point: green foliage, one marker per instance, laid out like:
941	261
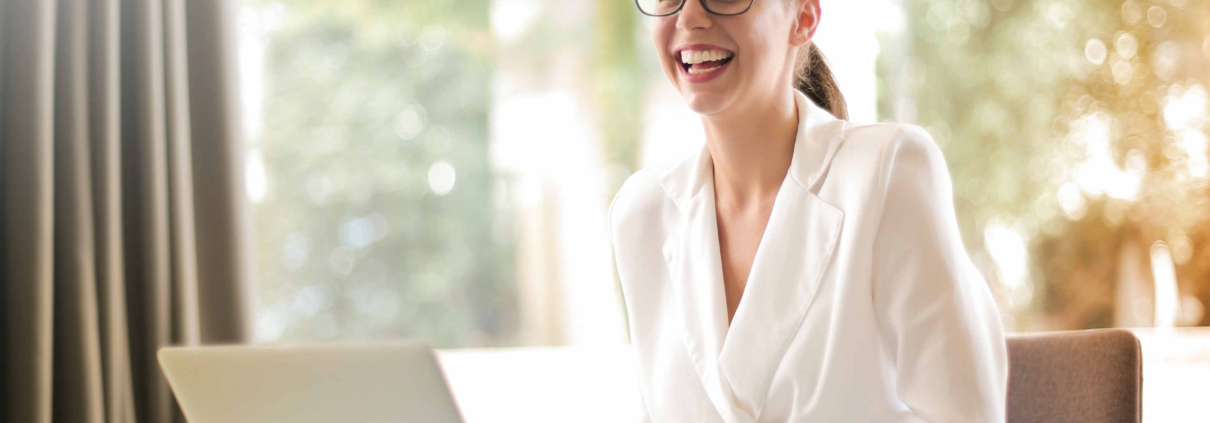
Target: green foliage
618	77
361	99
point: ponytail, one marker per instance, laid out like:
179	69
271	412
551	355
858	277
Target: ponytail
813	78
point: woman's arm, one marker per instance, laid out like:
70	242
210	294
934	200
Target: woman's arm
644	416
937	320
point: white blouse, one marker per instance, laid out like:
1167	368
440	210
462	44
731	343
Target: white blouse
861	306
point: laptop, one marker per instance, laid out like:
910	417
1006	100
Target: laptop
381	382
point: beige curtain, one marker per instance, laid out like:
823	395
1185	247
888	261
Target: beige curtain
122	222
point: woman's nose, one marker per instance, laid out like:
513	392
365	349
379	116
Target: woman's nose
693	16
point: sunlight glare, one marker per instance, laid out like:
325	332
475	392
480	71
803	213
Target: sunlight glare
1007	247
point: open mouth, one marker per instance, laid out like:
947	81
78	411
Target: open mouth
697	62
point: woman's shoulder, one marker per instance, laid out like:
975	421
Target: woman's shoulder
879	150
881	141
906	184
641	189
641	196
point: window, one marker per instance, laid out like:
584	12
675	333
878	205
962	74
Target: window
441	169
377	212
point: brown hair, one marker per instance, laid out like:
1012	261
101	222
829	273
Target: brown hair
813	78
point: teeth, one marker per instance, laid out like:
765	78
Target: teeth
695	71
694	57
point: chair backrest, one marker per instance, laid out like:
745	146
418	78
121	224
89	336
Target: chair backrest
1075	377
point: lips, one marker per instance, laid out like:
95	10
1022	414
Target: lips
702	62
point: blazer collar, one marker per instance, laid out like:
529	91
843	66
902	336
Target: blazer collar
817	140
736	364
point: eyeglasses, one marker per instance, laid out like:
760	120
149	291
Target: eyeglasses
659	8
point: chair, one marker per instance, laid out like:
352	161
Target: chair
1074	377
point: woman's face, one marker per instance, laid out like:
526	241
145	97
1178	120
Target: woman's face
717	61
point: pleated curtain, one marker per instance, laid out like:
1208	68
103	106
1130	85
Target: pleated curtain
123	226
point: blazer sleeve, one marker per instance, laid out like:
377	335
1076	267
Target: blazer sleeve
644	415
937	320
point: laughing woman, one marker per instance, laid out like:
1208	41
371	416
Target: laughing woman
797	268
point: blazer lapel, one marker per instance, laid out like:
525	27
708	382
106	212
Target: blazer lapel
736	365
695	268
794	251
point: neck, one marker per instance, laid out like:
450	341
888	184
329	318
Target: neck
752	151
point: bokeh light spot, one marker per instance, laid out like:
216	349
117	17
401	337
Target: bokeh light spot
441	177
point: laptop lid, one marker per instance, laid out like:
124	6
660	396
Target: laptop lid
386	382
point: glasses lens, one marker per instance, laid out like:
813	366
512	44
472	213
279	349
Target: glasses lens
728	7
658	7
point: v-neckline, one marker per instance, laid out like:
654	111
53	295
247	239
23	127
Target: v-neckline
799	241
760	246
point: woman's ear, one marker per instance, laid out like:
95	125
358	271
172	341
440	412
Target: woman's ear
806	19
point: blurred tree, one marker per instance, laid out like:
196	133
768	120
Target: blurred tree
1078	123
378	219
619	84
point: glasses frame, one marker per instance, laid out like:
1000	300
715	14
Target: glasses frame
682	6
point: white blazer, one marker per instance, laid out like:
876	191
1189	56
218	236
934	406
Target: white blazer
862	304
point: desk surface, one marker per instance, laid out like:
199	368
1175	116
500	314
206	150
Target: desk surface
558	384
597	383
1176	374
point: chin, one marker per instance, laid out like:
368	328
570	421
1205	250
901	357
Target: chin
706	98
706	103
